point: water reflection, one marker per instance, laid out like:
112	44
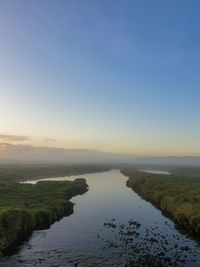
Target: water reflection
155	172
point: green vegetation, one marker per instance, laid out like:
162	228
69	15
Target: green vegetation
25	207
19	173
190	171
176	195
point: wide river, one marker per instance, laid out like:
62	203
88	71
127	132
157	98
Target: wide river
83	239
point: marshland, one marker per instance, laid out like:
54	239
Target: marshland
111	223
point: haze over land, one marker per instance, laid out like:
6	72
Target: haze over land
24	153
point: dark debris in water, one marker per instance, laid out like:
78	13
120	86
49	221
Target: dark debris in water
125	244
148	247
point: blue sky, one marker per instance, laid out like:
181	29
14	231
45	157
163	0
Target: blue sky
116	76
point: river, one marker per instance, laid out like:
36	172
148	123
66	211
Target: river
86	237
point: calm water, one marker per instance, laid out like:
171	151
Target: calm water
155	172
81	239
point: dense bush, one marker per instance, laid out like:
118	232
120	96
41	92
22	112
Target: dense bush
179	196
24	207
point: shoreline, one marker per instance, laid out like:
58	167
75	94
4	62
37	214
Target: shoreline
184	222
17	223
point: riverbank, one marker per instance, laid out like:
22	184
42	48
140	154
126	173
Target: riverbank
178	196
84	239
26	207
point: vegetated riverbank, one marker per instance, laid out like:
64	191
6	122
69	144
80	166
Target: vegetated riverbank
178	196
20	173
26	207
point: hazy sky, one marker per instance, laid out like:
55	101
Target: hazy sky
115	76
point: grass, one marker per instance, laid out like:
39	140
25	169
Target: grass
25	207
189	171
176	195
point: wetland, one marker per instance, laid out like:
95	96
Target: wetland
111	226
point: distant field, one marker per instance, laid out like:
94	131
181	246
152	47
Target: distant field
178	195
186	171
25	207
191	171
18	173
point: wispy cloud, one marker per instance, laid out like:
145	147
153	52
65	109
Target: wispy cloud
45	150
13	137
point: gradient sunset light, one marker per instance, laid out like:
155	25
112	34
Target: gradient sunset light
105	76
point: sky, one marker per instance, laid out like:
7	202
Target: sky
110	76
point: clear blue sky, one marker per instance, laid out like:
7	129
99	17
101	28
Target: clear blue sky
118	76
